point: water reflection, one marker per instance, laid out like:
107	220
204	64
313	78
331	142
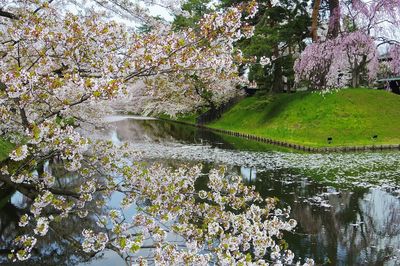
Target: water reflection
248	173
359	227
61	245
342	221
56	248
161	140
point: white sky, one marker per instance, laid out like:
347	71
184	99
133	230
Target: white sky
160	11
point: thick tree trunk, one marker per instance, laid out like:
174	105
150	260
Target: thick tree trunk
355	79
334	19
277	85
314	20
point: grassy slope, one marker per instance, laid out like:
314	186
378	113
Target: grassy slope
350	117
5	149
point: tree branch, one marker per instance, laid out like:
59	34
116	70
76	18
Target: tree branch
7	14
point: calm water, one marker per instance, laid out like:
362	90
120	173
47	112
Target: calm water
347	205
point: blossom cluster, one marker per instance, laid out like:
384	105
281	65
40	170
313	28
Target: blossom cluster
265	61
45	54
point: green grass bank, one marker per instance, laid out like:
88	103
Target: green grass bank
350	116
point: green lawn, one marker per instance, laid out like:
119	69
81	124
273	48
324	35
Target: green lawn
5	148
350	117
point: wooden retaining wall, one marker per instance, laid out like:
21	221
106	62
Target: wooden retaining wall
295	146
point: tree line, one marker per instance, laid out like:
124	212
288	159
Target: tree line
319	44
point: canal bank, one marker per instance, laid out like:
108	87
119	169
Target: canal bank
344	121
382	147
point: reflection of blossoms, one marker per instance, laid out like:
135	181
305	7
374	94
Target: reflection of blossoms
19	153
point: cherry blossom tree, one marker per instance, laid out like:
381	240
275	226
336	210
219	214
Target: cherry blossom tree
61	63
351	59
339	62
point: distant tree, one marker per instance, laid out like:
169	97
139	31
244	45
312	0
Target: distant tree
338	62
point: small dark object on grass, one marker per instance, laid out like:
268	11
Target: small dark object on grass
375	137
330	140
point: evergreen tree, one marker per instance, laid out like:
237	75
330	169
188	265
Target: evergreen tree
195	9
280	30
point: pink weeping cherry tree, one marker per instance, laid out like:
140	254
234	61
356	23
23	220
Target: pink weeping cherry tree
352	58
